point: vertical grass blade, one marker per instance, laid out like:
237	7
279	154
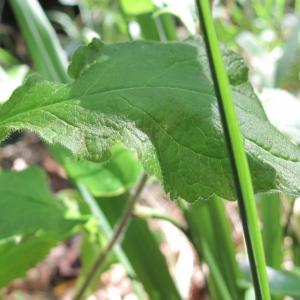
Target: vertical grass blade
270	209
48	57
235	145
142	250
210	230
166	27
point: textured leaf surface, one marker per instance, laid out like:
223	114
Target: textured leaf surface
27	206
158	100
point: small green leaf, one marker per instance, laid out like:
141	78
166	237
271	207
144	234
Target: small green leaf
111	178
17	255
158	100
32	221
27	206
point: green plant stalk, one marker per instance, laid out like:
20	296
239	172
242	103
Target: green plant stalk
208	224
48	57
272	232
166	27
142	250
280	8
148	27
120	228
149	213
235	145
297	6
108	232
225	294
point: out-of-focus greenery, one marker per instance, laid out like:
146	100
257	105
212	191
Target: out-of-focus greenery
267	33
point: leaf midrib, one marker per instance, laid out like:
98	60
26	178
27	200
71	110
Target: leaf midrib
4	120
112	91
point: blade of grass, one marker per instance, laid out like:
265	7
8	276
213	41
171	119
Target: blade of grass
235	145
148	27
297	6
166	27
272	232
142	250
219	279
147	213
48	57
208	224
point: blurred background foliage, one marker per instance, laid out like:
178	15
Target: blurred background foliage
199	256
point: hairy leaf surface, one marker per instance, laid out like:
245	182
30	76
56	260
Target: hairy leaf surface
158	100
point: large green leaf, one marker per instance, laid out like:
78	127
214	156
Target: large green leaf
28	206
158	100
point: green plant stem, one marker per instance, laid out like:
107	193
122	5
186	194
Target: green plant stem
107	230
117	234
166	27
235	145
272	231
47	55
289	219
214	269
208	224
149	213
297	6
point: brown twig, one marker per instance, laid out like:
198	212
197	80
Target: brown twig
120	228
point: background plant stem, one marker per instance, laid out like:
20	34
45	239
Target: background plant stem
117	234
